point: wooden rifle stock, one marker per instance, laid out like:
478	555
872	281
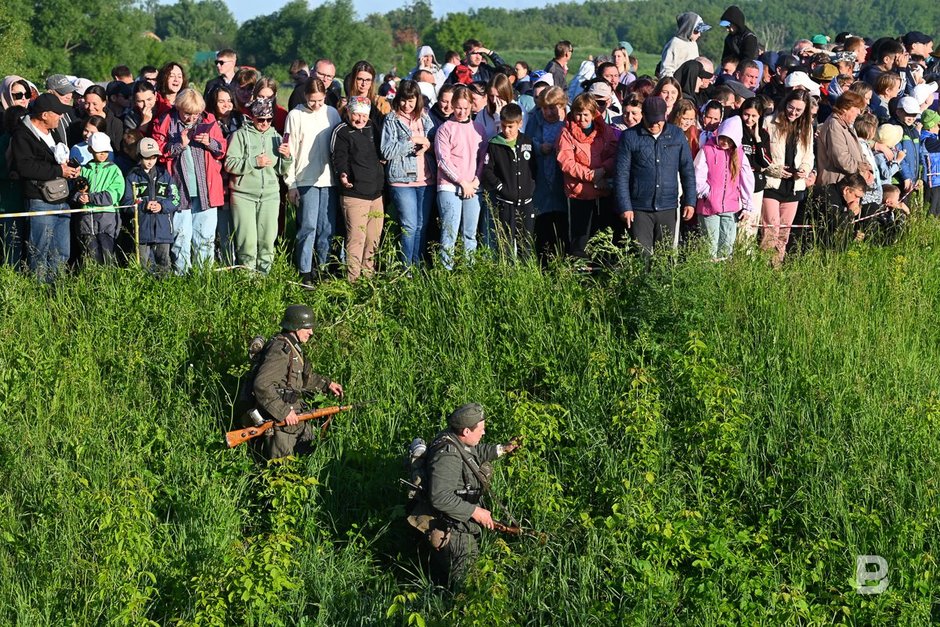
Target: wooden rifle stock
239	436
516	530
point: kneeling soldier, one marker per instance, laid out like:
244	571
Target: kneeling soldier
459	475
283	376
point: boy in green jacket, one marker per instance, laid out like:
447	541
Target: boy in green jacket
102	189
256	157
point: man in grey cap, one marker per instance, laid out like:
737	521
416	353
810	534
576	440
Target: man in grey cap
459	473
62	88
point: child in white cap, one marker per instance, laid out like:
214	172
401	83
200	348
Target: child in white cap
102	190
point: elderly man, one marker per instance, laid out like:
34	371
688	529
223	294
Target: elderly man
63	89
42	164
652	158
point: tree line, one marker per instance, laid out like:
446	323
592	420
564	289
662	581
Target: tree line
88	37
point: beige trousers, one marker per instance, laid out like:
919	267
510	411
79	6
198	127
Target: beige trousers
364	220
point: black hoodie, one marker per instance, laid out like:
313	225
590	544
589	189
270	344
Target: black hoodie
742	43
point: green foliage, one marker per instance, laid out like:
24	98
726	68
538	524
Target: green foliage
208	23
450	33
703	444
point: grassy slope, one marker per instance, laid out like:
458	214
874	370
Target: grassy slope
707	444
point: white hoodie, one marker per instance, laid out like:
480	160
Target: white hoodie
310	133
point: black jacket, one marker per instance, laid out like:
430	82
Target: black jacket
355	152
215	83
742	43
758	155
509	173
32	159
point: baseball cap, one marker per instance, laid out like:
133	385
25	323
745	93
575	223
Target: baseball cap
654	110
81	85
99	142
601	89
916	37
702	27
820	40
627	47
546	78
48	102
60	84
802	80
739	89
117	88
909	105
147	147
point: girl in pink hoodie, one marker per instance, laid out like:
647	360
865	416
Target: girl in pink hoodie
725	183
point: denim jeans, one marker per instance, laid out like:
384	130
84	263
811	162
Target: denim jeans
49	239
194	238
458	216
414	212
316	223
225	238
721	229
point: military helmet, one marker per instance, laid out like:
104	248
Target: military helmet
297	317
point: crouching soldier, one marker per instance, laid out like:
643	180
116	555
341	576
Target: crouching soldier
459	475
282	377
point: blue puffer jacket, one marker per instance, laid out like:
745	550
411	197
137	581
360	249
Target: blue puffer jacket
910	144
649	170
159	185
399	151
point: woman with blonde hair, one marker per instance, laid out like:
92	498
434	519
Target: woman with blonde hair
193	149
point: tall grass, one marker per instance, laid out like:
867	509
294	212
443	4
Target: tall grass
704	444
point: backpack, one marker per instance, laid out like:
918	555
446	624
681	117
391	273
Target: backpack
245	400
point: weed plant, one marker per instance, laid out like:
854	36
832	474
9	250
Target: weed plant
706	444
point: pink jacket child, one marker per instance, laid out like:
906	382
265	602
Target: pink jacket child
725	185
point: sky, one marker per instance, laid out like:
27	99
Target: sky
247	9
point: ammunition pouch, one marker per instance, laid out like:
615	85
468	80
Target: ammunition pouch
470	495
289	396
486	474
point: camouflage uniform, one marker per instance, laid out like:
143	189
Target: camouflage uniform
283	376
448	474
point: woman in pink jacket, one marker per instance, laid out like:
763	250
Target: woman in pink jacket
587	152
725	185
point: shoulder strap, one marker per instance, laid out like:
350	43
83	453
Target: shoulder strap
474	468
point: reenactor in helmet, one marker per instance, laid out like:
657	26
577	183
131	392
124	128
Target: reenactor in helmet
458	479
282	377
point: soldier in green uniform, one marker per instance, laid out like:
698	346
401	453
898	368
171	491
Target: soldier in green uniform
282	378
455	490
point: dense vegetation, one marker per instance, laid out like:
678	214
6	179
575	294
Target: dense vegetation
88	37
704	444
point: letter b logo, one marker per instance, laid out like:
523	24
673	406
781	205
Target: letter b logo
869	581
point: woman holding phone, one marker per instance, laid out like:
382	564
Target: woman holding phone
790	133
193	149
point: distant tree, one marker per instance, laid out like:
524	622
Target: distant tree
456	28
209	23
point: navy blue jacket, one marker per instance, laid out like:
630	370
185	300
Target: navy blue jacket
649	170
158	184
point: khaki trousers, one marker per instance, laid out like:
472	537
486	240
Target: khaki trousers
364	220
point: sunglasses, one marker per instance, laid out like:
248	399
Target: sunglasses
263	120
221	61
20	95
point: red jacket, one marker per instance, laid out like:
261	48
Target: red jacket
579	155
167	131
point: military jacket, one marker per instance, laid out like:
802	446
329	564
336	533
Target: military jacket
448	473
284	374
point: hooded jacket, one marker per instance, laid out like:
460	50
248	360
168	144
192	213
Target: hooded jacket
356	154
158	185
6	89
687	76
435	68
509	171
717	191
105	185
248	181
579	154
680	48
742	43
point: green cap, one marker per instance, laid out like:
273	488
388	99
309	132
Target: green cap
466	416
930	119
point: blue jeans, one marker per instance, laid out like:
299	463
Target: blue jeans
194	236
721	230
49	239
316	223
414	212
224	233
461	216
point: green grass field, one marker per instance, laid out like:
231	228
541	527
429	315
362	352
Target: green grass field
704	444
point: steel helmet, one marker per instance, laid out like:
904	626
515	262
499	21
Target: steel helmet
297	317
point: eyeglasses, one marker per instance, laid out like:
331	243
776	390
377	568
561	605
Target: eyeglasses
363	80
326	77
20	95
